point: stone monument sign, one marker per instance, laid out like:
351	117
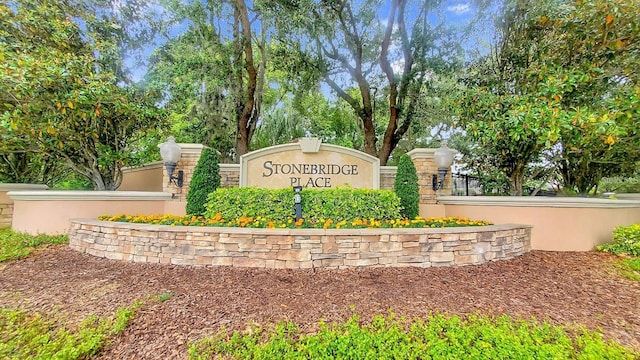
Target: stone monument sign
310	164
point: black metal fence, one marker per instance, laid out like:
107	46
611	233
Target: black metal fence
466	185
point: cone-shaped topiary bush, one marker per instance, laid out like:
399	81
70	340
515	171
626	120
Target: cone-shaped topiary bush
205	180
406	187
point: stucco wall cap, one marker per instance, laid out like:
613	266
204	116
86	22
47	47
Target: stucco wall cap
81	195
537	201
14	186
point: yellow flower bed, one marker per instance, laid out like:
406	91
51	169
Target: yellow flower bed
265	223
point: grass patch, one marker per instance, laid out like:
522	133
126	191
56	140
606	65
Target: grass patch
439	337
15	245
164	296
26	335
629	268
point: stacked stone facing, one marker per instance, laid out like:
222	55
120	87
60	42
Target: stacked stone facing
6	214
299	248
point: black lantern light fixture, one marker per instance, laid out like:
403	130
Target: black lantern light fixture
443	158
297	199
170	153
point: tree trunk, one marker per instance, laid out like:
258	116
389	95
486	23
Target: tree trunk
248	117
516	179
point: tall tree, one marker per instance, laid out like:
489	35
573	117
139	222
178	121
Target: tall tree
212	74
560	79
59	91
344	44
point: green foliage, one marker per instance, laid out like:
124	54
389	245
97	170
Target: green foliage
560	90
338	204
356	50
17	245
73	182
439	337
62	91
620	185
164	296
25	335
406	187
28	167
626	240
205	180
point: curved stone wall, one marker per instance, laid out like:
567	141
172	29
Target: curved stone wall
298	248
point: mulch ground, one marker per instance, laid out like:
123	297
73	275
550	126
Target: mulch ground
562	288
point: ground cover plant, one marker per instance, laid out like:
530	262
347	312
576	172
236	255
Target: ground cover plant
629	268
437	337
626	242
290	223
15	245
32	335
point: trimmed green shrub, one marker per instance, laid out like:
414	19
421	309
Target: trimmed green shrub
626	240
439	337
337	204
406	187
205	180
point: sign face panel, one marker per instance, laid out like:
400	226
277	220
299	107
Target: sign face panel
309	164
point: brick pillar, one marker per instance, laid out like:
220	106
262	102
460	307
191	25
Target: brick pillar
189	156
426	168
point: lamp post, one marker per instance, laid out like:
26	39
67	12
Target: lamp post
170	153
443	158
297	199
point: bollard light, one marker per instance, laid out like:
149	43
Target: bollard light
443	158
297	199
170	153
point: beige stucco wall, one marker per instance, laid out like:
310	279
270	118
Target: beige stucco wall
175	207
144	178
6	202
50	212
559	224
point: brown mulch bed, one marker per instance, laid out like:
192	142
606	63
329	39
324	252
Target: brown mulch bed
562	288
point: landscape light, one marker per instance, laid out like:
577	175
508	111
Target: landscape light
297	199
170	153
443	158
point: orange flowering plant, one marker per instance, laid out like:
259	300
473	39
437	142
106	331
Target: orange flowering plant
265	223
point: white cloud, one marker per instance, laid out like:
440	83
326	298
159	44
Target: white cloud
459	8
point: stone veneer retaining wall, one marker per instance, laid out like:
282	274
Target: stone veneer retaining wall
298	248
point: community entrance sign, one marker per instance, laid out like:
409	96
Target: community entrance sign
310	164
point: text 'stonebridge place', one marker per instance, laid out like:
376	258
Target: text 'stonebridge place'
310	164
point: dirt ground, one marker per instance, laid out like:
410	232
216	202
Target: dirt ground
562	288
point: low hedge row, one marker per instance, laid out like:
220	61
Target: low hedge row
278	205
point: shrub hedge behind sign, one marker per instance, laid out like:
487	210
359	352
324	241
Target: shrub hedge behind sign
277	204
